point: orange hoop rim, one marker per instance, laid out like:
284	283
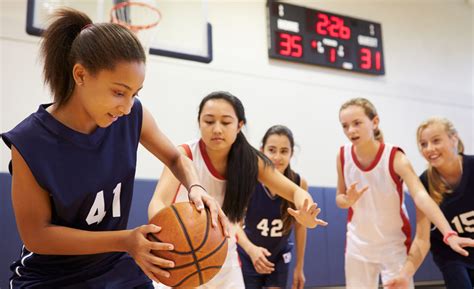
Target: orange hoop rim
132	27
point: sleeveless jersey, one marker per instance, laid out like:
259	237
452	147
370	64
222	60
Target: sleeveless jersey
89	179
458	208
264	224
215	185
210	179
377	224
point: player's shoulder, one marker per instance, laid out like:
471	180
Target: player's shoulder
397	154
189	147
28	131
468	160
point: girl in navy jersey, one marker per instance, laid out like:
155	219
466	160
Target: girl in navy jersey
370	184
73	164
264	247
450	181
230	168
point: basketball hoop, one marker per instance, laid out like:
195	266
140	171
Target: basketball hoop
127	13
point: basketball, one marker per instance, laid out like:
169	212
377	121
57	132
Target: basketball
199	249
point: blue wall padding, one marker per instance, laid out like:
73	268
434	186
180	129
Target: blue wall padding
10	243
324	257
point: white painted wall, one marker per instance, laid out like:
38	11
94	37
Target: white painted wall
471	2
429	62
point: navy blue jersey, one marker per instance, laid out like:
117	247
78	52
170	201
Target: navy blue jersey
458	208
264	224
89	178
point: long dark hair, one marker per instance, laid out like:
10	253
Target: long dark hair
289	173
72	38
242	163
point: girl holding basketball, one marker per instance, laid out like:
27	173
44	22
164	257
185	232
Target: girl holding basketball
230	169
73	164
450	181
264	247
370	184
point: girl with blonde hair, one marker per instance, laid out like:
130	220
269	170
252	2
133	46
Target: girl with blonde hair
449	180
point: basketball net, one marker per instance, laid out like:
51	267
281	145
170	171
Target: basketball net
141	17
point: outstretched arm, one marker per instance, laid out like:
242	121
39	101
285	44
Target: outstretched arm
307	210
426	204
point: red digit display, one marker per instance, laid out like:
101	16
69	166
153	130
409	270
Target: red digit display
332	55
370	59
345	32
322	24
365	58
285	41
290	45
378	63
332	26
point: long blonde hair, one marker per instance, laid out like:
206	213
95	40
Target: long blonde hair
369	110
436	187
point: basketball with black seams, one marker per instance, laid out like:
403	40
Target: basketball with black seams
199	249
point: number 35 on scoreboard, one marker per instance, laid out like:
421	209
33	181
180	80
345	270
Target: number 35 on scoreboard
316	37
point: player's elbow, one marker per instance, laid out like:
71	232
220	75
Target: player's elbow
422	244
35	246
425	246
35	242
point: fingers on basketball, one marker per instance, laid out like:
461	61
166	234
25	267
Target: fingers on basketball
199	248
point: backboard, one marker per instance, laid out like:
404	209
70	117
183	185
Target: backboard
183	32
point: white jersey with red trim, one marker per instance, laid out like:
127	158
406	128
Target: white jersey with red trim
230	276
377	225
212	181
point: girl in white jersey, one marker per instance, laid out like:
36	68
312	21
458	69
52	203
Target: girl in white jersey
229	167
370	184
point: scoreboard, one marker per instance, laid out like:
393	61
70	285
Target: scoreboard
317	37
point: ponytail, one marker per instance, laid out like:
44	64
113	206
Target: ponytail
242	177
72	38
378	135
56	50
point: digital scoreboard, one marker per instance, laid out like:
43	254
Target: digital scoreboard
317	37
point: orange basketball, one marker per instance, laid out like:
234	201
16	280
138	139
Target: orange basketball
199	249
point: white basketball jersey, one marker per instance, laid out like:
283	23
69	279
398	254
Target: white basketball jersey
377	225
230	275
210	179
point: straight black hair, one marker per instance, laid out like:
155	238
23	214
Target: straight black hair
242	163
